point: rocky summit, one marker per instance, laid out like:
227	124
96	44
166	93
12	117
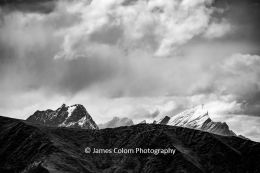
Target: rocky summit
75	116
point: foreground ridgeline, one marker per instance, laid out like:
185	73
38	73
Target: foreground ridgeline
75	116
154	148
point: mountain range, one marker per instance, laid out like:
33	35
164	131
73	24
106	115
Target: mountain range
55	141
76	116
27	147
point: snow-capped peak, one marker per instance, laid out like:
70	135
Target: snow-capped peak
198	118
194	117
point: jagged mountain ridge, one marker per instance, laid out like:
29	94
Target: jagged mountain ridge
197	118
75	116
117	122
30	148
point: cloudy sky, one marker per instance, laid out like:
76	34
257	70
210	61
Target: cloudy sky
137	58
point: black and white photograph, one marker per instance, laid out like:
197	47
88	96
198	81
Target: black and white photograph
129	86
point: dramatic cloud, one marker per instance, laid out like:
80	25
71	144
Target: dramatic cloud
216	30
158	26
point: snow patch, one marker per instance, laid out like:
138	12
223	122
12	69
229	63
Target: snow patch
70	110
82	121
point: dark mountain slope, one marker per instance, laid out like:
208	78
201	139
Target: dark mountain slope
28	147
21	145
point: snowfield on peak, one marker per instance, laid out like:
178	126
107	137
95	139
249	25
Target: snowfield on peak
193	118
71	109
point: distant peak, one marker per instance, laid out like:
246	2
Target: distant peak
122	119
115	118
164	120
117	122
63	105
143	122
